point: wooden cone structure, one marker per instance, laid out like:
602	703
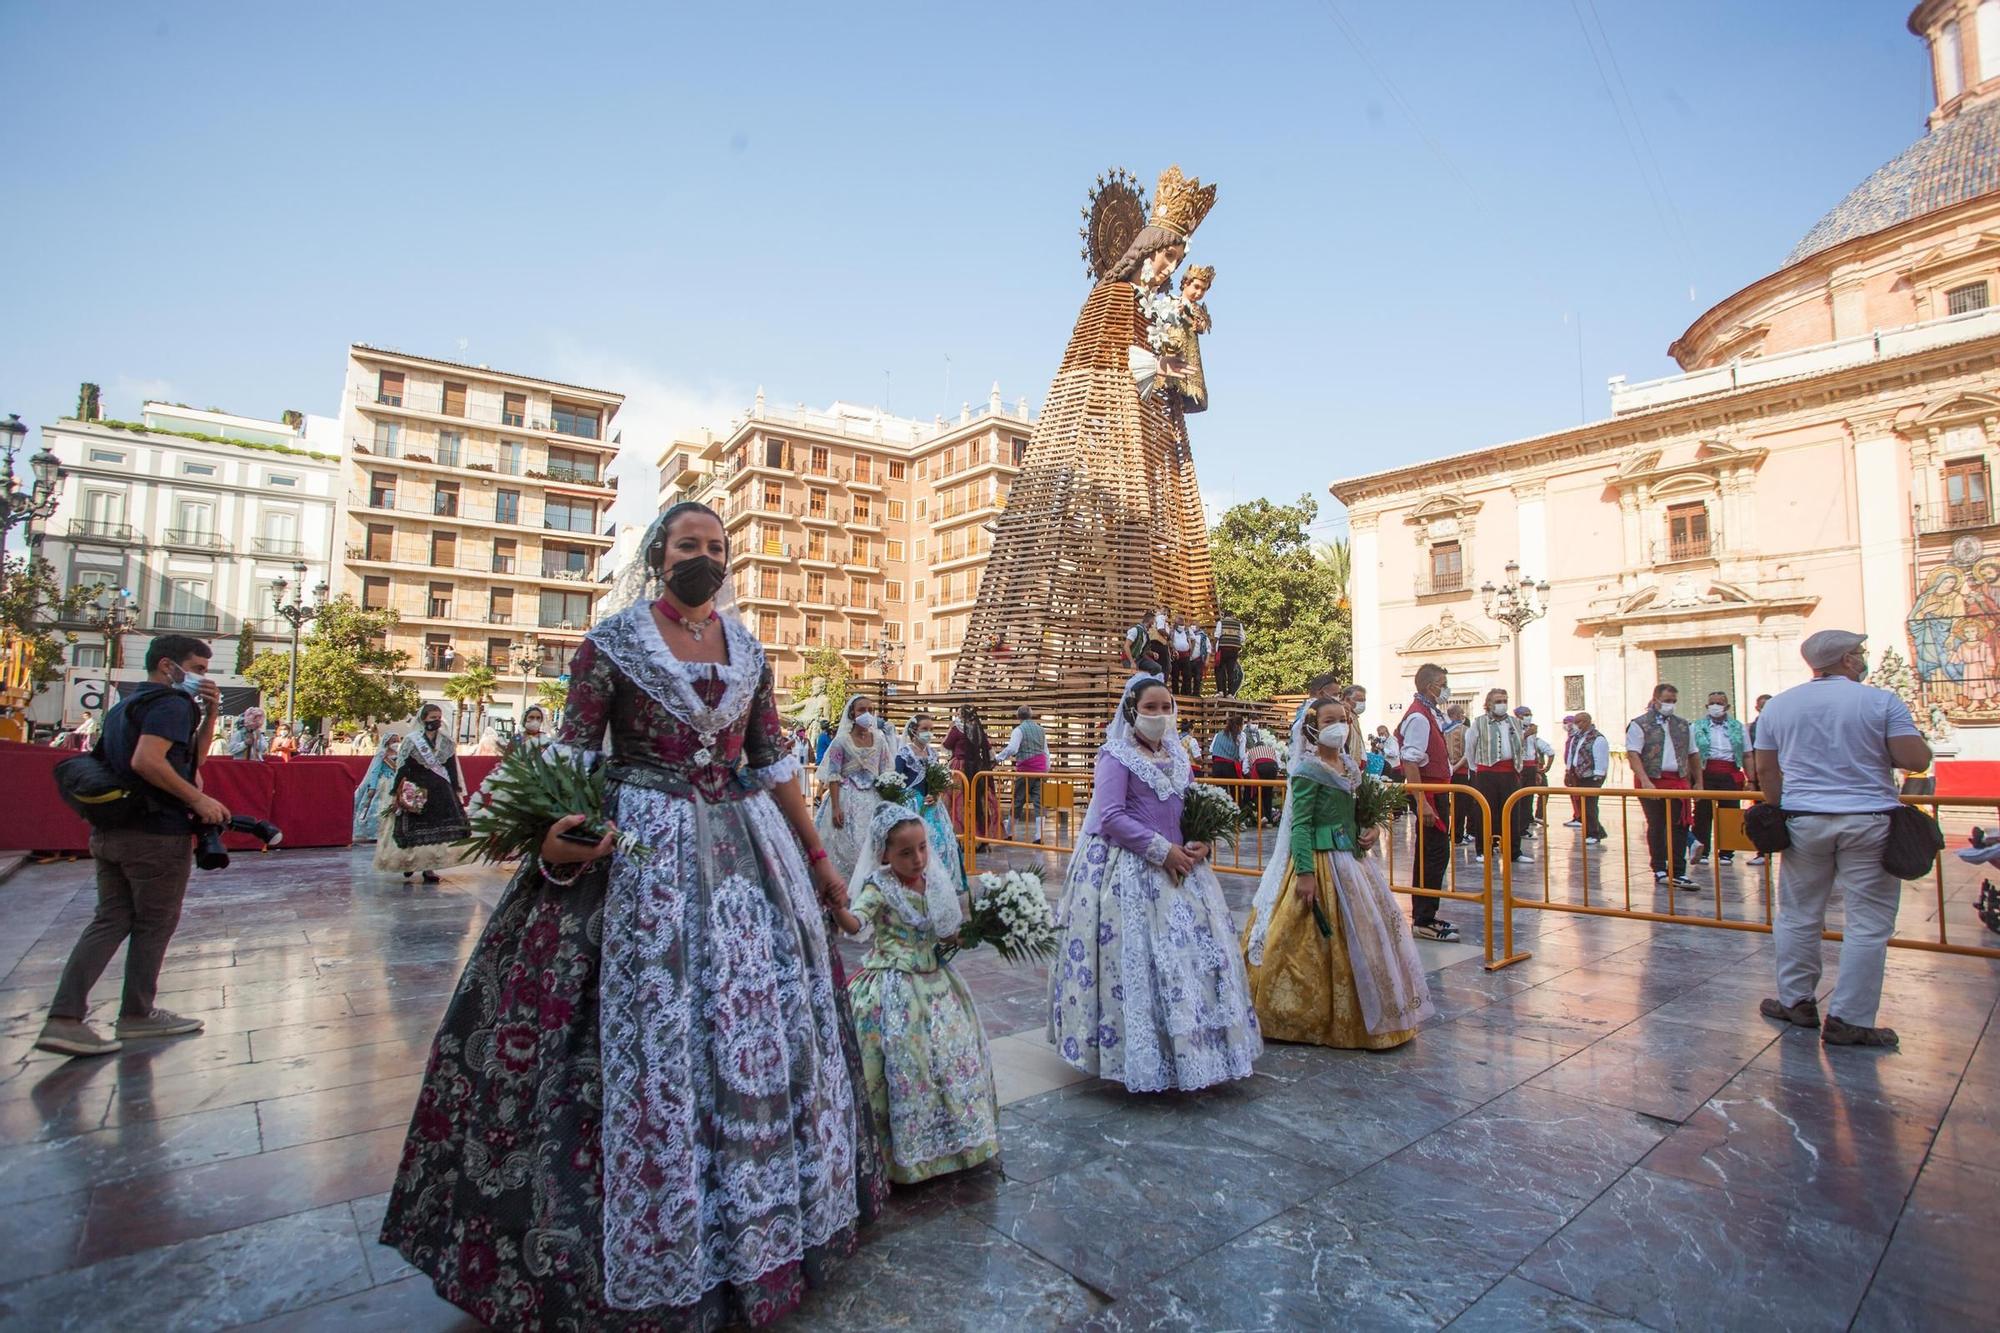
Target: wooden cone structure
1103	525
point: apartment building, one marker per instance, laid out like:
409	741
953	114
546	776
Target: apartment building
855	529
194	514
477	503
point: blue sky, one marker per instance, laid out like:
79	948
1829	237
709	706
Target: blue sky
209	201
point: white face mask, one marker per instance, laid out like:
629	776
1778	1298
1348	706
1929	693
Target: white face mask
1359	706
1667	708
1498	710
1153	726
923	738
864	720
1333	736
1717	711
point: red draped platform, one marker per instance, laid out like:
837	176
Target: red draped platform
311	799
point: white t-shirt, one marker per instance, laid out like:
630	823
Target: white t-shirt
1831	737
1635	741
1718	741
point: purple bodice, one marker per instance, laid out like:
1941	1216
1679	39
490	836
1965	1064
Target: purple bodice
1127	812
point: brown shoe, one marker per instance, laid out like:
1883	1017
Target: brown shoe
1804	1014
1838	1033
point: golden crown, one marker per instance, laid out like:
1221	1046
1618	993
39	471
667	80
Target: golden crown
1198	273
1179	204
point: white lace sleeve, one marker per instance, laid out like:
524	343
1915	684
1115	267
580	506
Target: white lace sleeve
774	775
1157	849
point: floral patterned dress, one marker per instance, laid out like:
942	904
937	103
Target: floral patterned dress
641	1110
1148	989
923	1053
856	768
910	765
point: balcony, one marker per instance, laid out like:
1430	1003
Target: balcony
428	400
196	539
575	475
1697	546
1932	520
819	556
1441	583
563	573
580	527
769	551
277	546
199	622
102	530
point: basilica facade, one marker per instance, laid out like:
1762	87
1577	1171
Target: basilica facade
1824	459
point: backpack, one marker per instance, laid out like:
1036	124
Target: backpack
105	794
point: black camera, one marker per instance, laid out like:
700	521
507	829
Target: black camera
209	852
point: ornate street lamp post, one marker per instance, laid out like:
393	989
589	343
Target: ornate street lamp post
527	661
888	655
113	619
296	613
1517	603
26	507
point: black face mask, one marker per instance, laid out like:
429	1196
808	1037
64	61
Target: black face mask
694	580
433	724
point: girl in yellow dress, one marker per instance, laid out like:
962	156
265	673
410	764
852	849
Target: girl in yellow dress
1329	952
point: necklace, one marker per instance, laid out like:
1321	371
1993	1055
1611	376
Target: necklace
695	628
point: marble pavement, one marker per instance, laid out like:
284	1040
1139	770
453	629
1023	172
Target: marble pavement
1606	1137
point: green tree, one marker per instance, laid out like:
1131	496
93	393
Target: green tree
1291	598
473	687
553	696
824	664
246	645
346	673
32	600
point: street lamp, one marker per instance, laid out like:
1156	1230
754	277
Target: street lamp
888	655
527	661
296	613
113	619
1517	603
39	501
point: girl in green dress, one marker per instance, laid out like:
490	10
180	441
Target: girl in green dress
924	1057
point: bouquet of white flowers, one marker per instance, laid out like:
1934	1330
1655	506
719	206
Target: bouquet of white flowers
530	789
1011	913
1210	815
891	787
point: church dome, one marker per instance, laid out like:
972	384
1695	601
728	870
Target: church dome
1957	161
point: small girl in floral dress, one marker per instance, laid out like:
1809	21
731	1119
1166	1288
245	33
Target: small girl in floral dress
924	1059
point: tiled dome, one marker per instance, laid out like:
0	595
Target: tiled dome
1957	161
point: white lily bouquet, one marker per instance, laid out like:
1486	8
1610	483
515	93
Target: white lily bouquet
531	788
1011	913
1210	815
891	787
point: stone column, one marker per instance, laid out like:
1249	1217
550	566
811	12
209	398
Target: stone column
1883	526
1537	688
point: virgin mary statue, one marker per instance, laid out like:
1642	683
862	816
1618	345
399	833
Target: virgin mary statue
1104	523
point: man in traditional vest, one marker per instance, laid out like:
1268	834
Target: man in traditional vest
1724	749
1028	748
1420	743
1228	656
1659	746
1496	752
1587	761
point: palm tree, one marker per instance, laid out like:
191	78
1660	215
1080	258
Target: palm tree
476	686
551	695
1338	561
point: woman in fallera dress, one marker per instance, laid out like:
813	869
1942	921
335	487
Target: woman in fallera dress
862	754
422	840
913	757
1148	988
642	1109
371	798
1347	975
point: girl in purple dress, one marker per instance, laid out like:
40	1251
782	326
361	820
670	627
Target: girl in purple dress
1148	989
643	1106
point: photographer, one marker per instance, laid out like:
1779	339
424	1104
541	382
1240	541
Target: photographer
154	734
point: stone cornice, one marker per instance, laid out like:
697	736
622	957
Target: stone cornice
1714	414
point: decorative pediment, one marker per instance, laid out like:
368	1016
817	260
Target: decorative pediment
1954	254
1655	473
1969	409
1448	505
1445	635
1695	595
1742	343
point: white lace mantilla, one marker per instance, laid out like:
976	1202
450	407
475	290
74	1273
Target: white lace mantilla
435	758
631	639
1165	782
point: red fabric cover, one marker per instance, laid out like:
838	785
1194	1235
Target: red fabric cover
36	819
1967	777
246	788
476	768
313	802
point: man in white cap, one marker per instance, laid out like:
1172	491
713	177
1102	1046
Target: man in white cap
1827	754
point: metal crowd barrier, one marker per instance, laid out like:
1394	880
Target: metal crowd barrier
1728	836
1065	795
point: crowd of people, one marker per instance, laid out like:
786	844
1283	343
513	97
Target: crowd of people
657	1096
1185	652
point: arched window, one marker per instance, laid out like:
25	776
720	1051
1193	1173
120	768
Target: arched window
1951	71
1986	32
